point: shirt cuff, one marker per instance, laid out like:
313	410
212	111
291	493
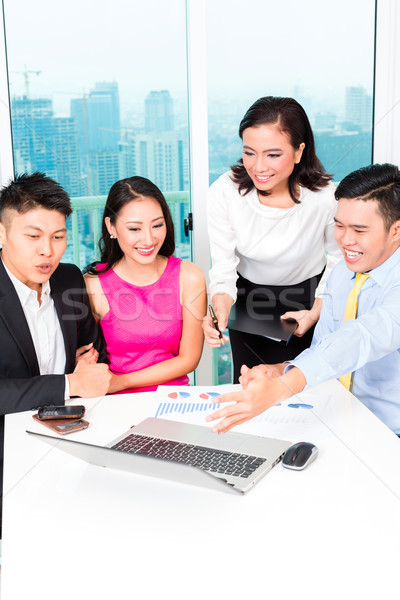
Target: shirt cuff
314	368
66	393
218	288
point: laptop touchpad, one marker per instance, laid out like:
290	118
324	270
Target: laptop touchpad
226	441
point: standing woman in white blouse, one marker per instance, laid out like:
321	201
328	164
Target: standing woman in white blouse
271	229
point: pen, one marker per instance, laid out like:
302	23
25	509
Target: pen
215	321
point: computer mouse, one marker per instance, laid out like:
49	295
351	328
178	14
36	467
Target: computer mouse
299	455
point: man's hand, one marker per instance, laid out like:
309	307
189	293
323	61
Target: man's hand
262	393
89	380
249	375
87	353
304	318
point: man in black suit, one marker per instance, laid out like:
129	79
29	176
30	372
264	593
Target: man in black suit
50	346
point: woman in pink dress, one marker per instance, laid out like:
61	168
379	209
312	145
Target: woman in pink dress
149	304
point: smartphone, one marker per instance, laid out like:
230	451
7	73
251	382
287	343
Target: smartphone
61	412
71	426
63	426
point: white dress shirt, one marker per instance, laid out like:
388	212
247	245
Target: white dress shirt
266	245
44	327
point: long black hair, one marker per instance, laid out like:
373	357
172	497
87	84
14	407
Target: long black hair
121	193
291	119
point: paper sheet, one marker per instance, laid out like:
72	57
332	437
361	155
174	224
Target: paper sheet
303	416
176	401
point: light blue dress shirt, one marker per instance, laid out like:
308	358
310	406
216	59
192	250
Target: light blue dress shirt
369	345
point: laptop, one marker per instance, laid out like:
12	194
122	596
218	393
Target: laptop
231	462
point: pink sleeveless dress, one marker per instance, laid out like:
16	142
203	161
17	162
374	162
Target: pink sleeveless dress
144	324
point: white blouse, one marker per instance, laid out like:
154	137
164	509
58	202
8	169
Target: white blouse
270	246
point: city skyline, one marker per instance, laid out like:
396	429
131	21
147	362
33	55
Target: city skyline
112	151
95	145
88	151
228	103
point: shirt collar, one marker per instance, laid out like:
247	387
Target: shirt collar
24	292
380	274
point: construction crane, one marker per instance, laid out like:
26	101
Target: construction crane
123	130
26	72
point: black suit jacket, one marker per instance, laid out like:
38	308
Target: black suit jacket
21	385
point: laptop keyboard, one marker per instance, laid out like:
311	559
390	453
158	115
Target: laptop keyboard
208	459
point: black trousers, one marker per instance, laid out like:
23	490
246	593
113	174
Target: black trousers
251	350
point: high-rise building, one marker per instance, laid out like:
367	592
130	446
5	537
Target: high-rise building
65	141
104	171
358	107
78	111
97	117
157	156
103	117
159	111
127	152
32	135
158	153
44	143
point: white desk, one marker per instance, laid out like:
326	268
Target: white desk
71	530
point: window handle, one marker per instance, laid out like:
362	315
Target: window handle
188	224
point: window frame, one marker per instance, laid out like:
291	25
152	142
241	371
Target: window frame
386	103
6	154
386	100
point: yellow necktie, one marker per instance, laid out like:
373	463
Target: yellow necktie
350	313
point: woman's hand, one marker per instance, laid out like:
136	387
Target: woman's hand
222	304
304	318
87	354
119	383
211	335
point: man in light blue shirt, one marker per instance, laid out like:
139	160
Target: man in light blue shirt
368	233
369	346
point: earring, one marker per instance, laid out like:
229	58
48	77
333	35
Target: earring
112	236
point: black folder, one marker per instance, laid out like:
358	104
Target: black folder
262	320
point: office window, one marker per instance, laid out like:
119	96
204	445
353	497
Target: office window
99	92
319	53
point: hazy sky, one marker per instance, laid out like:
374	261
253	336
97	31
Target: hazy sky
313	43
76	43
255	47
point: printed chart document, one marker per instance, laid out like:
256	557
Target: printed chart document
175	402
192	404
